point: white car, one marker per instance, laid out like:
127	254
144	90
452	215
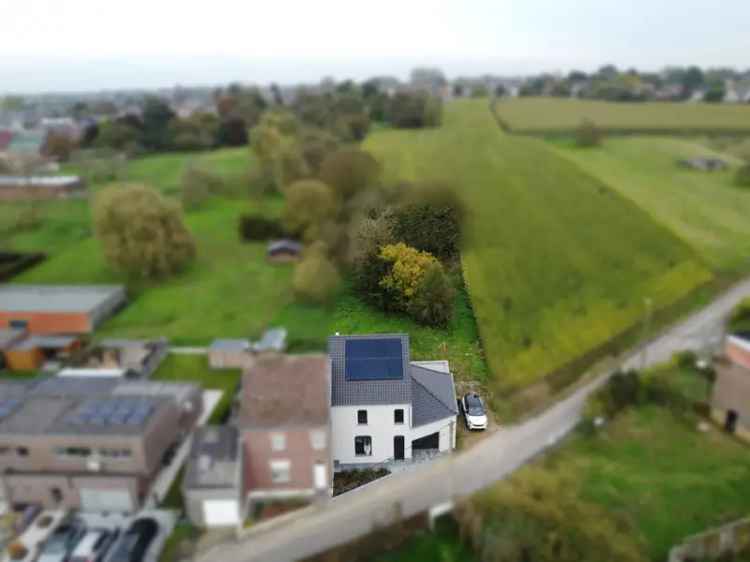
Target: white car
474	411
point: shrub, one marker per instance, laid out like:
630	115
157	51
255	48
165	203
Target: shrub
349	171
315	277
198	185
408	267
588	135
431	222
742	178
142	233
260	228
309	204
433	302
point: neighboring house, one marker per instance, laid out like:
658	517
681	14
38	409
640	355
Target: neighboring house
6	136
228	354
386	407
284	423
132	358
58	309
212	486
34	188
730	400
284	250
8	339
95	445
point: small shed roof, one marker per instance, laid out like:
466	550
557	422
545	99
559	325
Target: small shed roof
291	246
57	298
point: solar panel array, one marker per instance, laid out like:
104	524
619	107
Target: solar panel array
113	411
374	359
7	406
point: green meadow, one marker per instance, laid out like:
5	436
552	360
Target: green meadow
705	209
556	115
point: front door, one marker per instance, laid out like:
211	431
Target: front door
398	447
731	422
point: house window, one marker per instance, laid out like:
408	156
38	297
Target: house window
22	452
19	324
362	417
278	441
398	416
280	471
363	446
318	439
115	453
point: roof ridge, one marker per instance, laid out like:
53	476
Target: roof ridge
414	364
451	407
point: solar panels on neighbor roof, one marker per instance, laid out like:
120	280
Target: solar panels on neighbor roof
374	359
112	412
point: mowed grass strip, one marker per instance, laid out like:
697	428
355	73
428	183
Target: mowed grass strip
556	263
707	210
549	115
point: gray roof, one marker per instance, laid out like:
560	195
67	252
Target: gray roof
433	395
284	245
230	345
365	392
57	298
271	340
56	405
214	458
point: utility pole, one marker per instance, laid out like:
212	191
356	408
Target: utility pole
648	303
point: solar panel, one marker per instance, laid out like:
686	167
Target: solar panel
374	359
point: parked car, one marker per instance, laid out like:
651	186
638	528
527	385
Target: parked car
474	411
170	454
94	545
134	543
62	542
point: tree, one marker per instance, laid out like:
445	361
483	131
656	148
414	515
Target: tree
315	277
480	91
198	185
59	146
275	143
309	205
316	145
715	93
156	117
411	110
232	132
349	171
142	233
408	266
588	135
197	132
743	176
117	136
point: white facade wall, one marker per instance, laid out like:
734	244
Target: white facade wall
379	426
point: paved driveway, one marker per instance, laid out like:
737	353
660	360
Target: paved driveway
409	493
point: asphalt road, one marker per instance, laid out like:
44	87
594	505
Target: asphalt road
402	495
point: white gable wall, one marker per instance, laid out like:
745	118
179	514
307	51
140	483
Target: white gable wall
380	428
447	429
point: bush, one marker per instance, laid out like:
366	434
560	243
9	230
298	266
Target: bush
198	185
432	223
685	359
407	268
255	228
742	178
315	277
142	233
349	172
588	135
433	302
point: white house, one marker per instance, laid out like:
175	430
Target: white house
385	407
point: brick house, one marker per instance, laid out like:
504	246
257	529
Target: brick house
284	424
94	445
58	309
730	399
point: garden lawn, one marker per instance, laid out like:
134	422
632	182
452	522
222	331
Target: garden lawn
555	115
194	368
706	210
556	263
669	479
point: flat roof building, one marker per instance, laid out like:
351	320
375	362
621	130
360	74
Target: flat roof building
58	309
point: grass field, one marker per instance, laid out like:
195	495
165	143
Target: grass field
550	115
705	209
556	263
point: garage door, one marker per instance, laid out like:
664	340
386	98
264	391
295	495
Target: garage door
217	513
106	500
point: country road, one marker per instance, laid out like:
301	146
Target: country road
355	514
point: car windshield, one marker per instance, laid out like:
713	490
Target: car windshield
56	544
124	547
474	406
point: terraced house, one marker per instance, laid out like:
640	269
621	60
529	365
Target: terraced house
386	407
95	445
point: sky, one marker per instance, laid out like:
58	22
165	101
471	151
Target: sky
86	45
